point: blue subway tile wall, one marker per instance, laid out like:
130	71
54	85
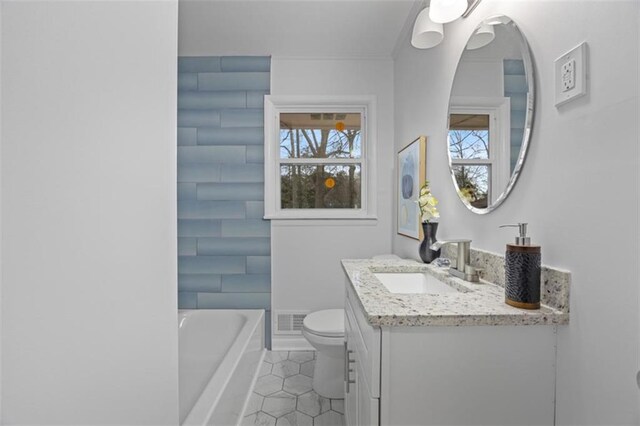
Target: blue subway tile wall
187	246
187	81
246	64
187	300
516	88
189	209
199	228
233	300
211	100
198	172
255	154
233	246
231	136
201	283
198	118
259	264
242	173
212	154
255	209
196	64
242	118
224	243
212	265
230	191
187	191
225	81
187	136
245	228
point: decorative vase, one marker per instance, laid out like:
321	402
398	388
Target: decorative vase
426	254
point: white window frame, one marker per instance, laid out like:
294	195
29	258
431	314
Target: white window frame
499	112
275	105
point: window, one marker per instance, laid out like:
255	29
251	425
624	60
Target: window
478	150
319	158
469	151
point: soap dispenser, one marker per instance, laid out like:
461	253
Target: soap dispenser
522	271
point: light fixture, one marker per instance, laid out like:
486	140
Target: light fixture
481	37
426	33
444	11
497	20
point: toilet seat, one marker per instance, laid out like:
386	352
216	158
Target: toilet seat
326	323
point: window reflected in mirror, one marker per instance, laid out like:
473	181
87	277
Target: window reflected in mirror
470	148
469	136
473	184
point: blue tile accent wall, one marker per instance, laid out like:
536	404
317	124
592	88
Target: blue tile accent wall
515	87
224	245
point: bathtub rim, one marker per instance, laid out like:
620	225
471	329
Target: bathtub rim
208	400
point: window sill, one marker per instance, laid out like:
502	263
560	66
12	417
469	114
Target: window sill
291	221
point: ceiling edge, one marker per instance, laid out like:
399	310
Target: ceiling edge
407	28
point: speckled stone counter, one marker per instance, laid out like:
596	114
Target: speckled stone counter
474	303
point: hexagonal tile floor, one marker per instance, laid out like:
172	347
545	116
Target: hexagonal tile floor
283	395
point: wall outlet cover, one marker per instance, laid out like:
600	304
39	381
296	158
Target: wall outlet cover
571	74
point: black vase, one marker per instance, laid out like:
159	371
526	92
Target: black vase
426	254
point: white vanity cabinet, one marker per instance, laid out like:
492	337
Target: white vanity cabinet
362	370
447	375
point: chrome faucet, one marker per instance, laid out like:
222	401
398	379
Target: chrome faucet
463	268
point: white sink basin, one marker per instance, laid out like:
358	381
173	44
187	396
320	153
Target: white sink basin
413	282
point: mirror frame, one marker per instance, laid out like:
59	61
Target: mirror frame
527	59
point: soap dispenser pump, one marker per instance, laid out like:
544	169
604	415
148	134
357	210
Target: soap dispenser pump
522	265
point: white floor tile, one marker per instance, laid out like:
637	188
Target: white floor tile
266	385
301	356
285	369
298	384
307	368
265	369
255	404
330	418
313	404
261	419
276	356
290	401
295	419
279	404
337	405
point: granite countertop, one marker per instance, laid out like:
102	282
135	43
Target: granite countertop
474	304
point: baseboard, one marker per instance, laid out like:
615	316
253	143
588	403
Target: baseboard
290	343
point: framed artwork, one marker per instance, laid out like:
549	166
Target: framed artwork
412	160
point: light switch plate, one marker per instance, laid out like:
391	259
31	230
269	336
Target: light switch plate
571	75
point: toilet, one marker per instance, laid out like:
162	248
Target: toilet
325	332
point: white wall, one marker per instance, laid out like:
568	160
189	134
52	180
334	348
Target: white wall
578	190
1	333
306	270
88	212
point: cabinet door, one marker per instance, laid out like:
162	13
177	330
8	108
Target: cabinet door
350	396
367	406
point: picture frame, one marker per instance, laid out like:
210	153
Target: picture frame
411	174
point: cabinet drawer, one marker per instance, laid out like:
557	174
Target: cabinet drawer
366	343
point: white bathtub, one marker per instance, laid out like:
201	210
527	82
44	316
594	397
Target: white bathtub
220	352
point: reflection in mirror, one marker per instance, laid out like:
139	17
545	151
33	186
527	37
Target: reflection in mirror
490	114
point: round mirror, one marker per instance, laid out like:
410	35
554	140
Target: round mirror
490	114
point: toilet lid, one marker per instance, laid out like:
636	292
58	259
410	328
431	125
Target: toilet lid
329	322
